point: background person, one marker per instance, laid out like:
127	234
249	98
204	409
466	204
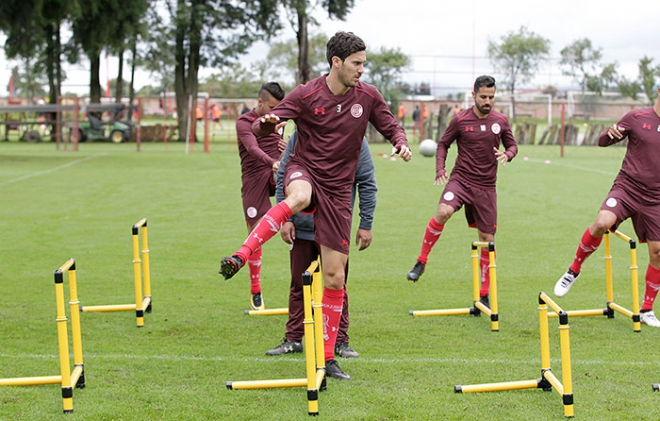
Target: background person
260	158
331	115
478	132
635	194
299	233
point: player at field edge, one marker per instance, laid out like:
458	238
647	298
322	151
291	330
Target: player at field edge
478	132
331	115
299	233
260	159
635	194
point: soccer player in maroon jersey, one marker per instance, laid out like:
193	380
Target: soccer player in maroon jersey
478	132
331	115
260	158
635	194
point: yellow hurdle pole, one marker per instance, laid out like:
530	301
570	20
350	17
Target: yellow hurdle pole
107	308
266	384
310	348
268	312
447	312
476	272
634	278
137	276
492	272
608	269
62	336
76	335
146	267
317	305
31	381
544	334
582	313
567	378
497	387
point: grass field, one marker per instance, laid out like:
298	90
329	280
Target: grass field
57	205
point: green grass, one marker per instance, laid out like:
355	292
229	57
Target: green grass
57	205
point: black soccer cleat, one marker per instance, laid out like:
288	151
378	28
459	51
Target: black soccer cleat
230	266
286	347
484	300
332	370
416	271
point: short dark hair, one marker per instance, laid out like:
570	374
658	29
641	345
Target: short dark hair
343	44
274	89
485	80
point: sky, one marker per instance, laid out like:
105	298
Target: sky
447	41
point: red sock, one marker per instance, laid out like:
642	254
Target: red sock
254	264
588	244
266	229
333	300
431	235
485	272
652	287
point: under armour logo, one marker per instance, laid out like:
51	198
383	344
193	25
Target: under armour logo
469	128
646	126
344	243
321	111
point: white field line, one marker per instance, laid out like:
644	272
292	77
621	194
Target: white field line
52	170
577	167
193	358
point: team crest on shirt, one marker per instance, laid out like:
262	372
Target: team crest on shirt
449	196
295	175
357	110
496	128
611	202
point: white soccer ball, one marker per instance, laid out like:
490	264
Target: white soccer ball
427	147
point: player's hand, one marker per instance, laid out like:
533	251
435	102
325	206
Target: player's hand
404	152
281	145
442	179
501	156
270	118
276	166
279	127
363	238
615	131
288	232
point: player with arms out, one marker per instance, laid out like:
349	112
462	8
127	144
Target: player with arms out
478	132
635	194
331	115
260	159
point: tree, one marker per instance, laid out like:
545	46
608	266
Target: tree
33	32
282	62
647	75
211	33
386	67
517	58
583	62
300	17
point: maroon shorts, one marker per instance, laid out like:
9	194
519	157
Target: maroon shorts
332	210
645	217
256	193
480	204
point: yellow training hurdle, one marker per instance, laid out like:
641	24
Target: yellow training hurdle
67	379
609	286
548	380
268	312
479	307
141	278
314	355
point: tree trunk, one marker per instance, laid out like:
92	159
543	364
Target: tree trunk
180	76
94	79
303	48
51	62
131	87
119	87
